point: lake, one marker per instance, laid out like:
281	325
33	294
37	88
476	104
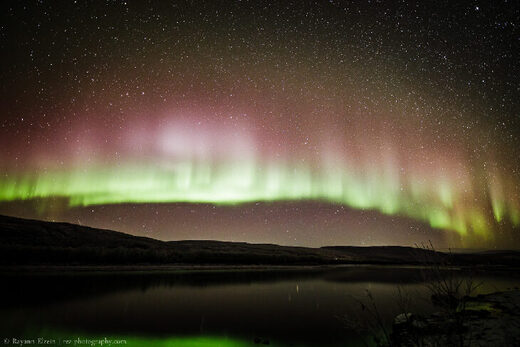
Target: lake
279	306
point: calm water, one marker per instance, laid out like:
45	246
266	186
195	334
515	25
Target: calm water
307	306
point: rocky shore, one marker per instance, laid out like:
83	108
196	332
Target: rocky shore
484	320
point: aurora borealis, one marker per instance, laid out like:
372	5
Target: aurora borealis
398	116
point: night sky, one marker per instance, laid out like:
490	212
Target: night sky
290	122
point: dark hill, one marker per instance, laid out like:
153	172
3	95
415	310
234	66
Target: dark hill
33	242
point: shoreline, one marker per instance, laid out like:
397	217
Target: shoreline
490	319
153	268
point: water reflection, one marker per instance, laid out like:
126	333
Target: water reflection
300	306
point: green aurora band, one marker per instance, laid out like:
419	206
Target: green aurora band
436	202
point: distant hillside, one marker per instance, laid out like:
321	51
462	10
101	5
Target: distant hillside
32	242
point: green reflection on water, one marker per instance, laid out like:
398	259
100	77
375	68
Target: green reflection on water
53	337
49	336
